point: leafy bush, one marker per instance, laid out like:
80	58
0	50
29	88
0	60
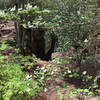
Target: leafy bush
30	17
14	83
76	21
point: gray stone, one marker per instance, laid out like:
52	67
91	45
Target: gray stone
91	64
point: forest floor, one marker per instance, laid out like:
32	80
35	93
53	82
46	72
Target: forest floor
50	92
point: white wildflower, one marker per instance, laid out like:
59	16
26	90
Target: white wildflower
40	18
42	78
69	71
52	73
19	9
42	68
28	77
1	12
86	40
84	72
13	9
29	6
78	12
98	61
28	90
45	90
35	6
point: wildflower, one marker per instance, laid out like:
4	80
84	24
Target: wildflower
86	40
13	9
69	71
1	12
29	6
78	12
45	90
42	78
52	73
28	90
84	72
40	18
28	77
42	68
35	6
99	61
19	9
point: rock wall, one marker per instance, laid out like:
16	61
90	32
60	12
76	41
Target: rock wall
4	3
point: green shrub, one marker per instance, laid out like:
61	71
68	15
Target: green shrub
16	85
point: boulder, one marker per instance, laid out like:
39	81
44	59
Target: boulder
4	3
61	55
91	64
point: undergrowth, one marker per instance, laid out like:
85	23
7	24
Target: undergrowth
21	77
14	83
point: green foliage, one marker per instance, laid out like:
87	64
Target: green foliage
14	83
29	61
76	21
81	93
76	25
30	17
89	87
4	45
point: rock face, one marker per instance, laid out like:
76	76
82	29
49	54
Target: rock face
4	3
91	64
59	55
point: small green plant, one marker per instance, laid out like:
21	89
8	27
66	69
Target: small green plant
81	93
3	58
4	45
